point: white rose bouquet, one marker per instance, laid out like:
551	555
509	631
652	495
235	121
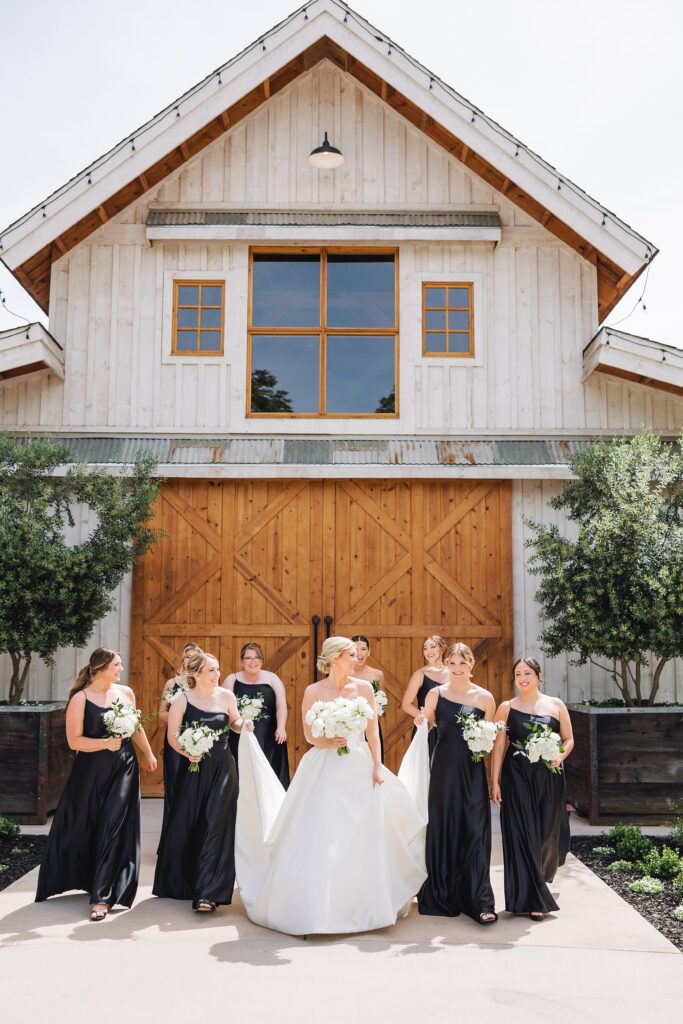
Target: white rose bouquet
121	720
251	709
479	734
197	740
340	717
174	691
381	699
542	744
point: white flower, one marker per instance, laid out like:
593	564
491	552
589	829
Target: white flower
251	708
479	734
339	718
197	741
121	720
381	701
541	744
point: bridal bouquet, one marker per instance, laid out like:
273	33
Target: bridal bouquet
340	717
542	744
479	734
121	720
174	691
251	708
381	699
197	740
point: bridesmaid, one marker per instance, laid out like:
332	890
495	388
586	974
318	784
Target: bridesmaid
458	850
197	849
271	730
172	760
532	799
425	679
94	842
374	676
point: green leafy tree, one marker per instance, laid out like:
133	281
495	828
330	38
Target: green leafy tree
52	592
615	594
265	394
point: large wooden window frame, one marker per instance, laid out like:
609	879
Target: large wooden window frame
179	283
469	287
323	331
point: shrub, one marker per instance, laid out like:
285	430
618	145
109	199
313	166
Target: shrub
3	868
604	851
621	865
8	828
664	863
678	913
629	842
16	851
678	887
647	886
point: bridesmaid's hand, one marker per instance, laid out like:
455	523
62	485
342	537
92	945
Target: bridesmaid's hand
151	765
495	793
248	725
420	718
194	758
377	775
280	736
112	743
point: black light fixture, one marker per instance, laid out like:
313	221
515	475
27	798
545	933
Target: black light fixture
326	157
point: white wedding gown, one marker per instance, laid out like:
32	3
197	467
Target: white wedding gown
333	854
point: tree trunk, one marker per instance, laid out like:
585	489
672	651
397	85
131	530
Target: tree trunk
625	687
19	675
656	678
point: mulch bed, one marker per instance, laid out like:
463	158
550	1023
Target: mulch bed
658	910
17	856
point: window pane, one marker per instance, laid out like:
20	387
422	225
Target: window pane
188	295
458	320
458	342
435	297
212	295
211	317
458	297
285	373
360	374
435	342
186	341
187	318
210	341
286	291
360	291
435	319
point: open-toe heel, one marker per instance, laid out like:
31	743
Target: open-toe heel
488	917
99	912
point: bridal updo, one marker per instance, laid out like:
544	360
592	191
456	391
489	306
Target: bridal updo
332	648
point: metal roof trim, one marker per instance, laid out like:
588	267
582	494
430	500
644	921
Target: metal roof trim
304	218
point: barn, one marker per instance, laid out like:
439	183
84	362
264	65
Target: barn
357	379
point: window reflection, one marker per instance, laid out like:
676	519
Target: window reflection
360	291
285	373
286	290
360	374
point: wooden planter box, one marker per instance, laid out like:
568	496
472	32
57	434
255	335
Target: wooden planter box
35	760
627	763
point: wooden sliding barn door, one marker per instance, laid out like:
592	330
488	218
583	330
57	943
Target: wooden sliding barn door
258	560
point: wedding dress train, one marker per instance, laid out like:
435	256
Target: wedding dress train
333	854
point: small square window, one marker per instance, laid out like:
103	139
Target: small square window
198	308
447	319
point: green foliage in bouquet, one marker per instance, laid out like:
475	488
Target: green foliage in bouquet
629	842
53	591
614	596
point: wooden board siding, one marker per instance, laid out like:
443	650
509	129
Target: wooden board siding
256	560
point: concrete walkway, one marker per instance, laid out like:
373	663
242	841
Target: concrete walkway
596	961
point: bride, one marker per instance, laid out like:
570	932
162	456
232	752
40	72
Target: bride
343	849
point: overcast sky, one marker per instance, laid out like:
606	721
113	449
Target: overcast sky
594	86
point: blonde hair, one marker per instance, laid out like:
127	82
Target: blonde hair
463	650
194	666
331	649
192	646
440	643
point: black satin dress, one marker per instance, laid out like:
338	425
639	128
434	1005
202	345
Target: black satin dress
197	850
533	821
94	842
427	684
172	763
264	729
458	852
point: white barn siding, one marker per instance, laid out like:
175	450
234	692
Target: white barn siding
570	682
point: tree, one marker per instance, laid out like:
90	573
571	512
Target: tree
265	394
52	592
387	403
616	592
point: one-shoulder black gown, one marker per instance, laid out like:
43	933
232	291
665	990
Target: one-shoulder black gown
458	852
533	821
427	684
197	850
264	729
94	842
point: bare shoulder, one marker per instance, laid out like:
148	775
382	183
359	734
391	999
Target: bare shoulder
78	700
126	692
364	687
558	704
273	679
503	710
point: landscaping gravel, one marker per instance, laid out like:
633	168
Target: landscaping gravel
17	856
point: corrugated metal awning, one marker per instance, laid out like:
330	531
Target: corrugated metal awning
322	218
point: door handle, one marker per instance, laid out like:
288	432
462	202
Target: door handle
315	619
328	620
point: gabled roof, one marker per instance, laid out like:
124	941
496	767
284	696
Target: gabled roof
634	358
322	30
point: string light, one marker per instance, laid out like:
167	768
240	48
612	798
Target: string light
132	146
177	112
431	83
559	185
220	80
517	150
472	118
305	14
89	178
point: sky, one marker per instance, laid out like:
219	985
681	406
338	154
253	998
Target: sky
593	86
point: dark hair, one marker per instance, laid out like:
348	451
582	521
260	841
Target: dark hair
194	665
533	665
361	639
99	659
439	641
252	647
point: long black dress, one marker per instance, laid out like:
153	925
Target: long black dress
94	842
264	729
427	684
172	763
458	850
197	849
533	821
